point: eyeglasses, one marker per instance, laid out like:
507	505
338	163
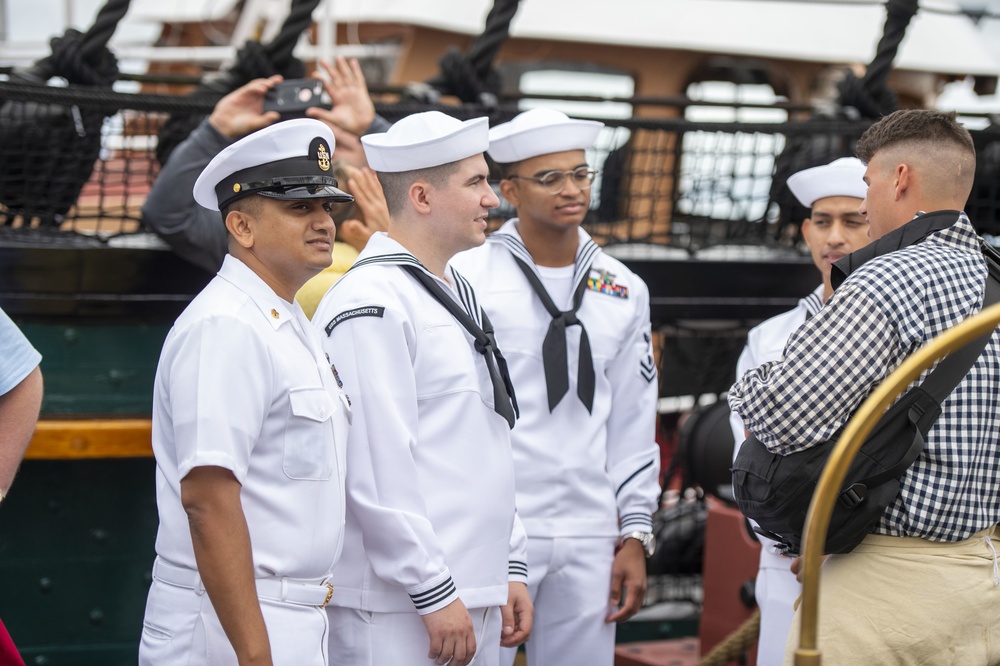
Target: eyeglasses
555	181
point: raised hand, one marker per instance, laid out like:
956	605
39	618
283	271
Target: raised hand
242	111
353	109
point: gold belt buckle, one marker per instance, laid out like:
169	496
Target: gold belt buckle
329	594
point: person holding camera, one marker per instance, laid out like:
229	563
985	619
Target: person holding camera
194	232
923	587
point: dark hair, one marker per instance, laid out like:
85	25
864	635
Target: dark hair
250	204
396	185
923	126
507	169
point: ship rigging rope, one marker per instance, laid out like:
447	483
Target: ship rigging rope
82	58
104	26
253	61
299	18
870	95
868	98
470	76
49	151
735	644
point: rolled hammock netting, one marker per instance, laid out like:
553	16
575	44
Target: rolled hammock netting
80	158
668	182
671	182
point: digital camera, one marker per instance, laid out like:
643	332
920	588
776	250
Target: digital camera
292	98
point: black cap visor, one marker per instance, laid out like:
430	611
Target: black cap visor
293	178
311	191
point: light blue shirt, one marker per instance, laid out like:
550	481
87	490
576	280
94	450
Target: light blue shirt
17	357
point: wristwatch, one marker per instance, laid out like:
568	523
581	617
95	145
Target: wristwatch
647	540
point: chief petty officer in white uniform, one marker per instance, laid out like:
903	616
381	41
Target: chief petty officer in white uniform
833	192
585	457
249	425
433	548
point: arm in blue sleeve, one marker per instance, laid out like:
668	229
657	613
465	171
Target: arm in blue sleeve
170	211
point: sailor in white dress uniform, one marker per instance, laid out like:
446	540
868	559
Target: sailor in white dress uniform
585	455
249	425
433	548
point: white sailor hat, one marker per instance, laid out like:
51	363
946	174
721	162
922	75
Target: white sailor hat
424	140
287	160
843	177
541	131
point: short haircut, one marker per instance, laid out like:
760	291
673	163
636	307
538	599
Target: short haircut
251	205
396	184
934	137
923	126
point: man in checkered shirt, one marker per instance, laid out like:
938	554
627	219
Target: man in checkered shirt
924	588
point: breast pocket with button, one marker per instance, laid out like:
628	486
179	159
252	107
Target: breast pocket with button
310	451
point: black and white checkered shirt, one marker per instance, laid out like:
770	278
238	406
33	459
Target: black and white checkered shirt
883	312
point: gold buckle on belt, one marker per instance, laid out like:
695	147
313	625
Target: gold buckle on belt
329	594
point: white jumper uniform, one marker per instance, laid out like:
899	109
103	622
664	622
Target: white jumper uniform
430	489
776	588
243	384
583	478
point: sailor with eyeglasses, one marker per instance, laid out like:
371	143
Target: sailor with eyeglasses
574	326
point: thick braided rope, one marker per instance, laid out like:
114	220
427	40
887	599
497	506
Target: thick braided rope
735	643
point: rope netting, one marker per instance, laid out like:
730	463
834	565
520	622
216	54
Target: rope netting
714	179
671	183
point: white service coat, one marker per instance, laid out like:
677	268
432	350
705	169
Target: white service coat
243	384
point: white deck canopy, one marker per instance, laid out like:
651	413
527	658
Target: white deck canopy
939	39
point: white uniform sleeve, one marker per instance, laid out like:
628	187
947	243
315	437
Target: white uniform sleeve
517	571
220	390
374	360
633	455
747	361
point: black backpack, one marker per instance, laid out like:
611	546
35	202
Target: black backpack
775	490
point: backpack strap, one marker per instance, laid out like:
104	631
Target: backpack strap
923	403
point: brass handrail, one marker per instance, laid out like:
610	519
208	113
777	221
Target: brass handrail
846	448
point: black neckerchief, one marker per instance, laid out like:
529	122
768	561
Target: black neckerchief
504	400
554	353
911	233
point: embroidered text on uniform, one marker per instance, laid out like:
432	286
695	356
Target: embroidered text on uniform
367	311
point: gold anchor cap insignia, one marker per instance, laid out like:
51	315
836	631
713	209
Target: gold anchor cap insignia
323	157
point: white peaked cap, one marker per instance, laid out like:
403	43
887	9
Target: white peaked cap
286	160
424	140
541	131
843	177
